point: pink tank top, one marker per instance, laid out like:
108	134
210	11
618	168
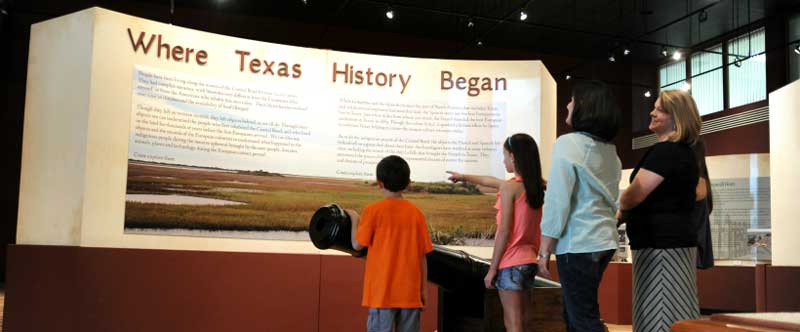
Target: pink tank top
523	243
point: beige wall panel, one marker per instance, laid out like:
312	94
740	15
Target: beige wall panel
784	146
54	141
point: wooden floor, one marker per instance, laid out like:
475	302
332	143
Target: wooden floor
619	328
2	304
611	327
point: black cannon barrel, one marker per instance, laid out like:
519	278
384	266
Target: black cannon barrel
330	228
452	270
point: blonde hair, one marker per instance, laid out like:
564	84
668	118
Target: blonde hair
681	106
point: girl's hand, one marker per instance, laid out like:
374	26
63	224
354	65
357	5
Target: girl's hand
543	271
455	176
487	281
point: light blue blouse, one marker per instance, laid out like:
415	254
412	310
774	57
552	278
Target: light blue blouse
582	194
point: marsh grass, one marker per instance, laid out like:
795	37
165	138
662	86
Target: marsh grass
286	203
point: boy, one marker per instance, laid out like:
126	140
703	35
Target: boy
396	274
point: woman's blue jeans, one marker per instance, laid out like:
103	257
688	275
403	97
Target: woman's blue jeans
580	276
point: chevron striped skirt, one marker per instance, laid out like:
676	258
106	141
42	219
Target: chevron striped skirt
664	288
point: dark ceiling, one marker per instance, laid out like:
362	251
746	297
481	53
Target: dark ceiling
578	28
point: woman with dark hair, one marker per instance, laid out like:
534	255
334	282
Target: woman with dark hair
657	207
516	241
578	221
703	205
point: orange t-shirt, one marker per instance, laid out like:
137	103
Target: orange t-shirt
397	236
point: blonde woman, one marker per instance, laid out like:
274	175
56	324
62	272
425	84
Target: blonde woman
657	207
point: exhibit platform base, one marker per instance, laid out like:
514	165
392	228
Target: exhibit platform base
62	288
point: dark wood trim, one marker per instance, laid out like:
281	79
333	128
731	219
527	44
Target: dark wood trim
735	110
68	288
717	115
761	288
782	293
726	97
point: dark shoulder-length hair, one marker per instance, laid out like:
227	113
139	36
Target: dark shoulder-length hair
528	164
595	110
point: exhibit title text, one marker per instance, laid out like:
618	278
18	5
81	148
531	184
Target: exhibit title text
342	73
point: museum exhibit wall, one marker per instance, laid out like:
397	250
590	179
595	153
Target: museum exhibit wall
16	31
81	83
89	141
784	139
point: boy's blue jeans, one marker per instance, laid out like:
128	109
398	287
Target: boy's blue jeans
384	319
580	276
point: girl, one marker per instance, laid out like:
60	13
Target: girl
519	211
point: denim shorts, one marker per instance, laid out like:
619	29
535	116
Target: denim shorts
516	278
393	319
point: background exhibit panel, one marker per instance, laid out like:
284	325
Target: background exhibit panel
232	158
213	136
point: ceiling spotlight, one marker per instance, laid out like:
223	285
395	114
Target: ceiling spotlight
611	58
686	86
470	24
390	13
626	51
523	15
797	48
479	43
305	2
677	55
568	77
664	51
647	94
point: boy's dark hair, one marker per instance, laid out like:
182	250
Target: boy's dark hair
595	110
528	165
394	173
